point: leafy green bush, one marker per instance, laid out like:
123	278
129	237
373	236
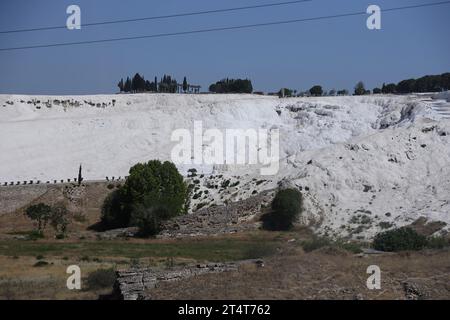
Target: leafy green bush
146	216
286	206
102	278
399	239
113	213
153	192
58	219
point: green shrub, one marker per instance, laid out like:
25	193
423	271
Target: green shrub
399	239
147	218
58	219
286	206
102	278
113	213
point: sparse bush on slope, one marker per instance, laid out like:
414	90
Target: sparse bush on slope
286	206
399	239
40	213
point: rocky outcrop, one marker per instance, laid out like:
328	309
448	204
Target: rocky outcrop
135	284
233	217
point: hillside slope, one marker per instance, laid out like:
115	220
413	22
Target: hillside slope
358	160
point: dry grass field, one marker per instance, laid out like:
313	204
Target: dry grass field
322	274
36	269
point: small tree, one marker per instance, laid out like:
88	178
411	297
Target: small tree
40	213
316	91
185	84
58	218
121	85
153	192
286	206
360	89
80	177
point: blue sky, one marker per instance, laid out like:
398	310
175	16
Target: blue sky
334	53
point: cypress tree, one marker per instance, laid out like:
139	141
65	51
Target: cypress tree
185	85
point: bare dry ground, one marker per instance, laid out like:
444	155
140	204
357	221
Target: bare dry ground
323	274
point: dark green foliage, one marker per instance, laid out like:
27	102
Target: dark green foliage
102	278
113	213
360	89
376	90
438	242
343	92
316	91
147	217
167	84
80	176
185	84
432	83
121	85
399	239
40	213
285	92
286	206
232	86
127	87
406	86
59	219
152	193
137	84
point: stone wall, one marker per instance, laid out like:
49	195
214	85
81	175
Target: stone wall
136	284
77	198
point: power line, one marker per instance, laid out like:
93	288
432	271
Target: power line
161	35
176	15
